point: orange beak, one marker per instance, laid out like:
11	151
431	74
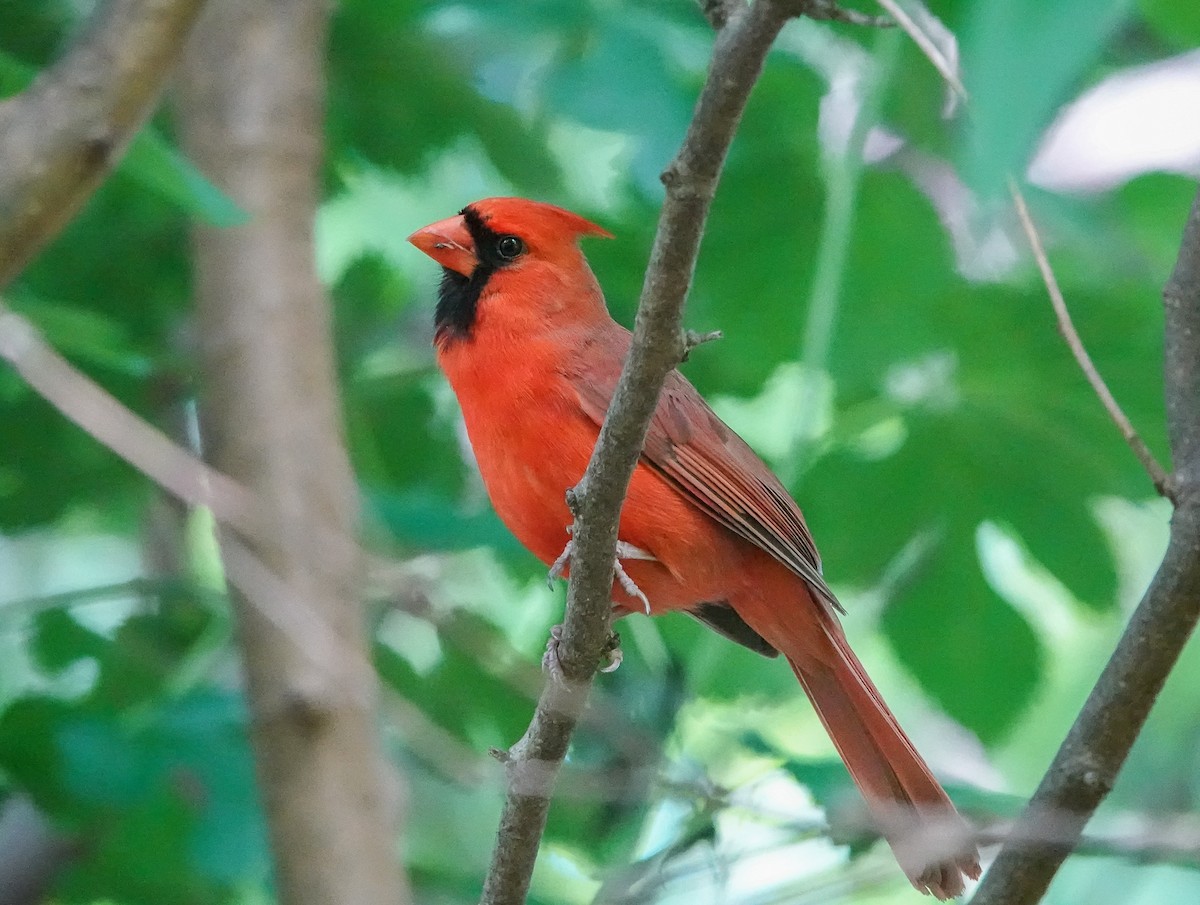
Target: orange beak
448	243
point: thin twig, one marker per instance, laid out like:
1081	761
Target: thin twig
1086	766
1158	475
693	339
1162	480
927	46
658	345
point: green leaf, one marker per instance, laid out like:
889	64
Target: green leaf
58	641
720	670
430	522
34	31
582	85
30	754
386	75
155	165
87	336
1056	44
1174	21
995	423
147	650
15	75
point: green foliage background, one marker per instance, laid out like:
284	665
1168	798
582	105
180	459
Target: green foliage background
977	512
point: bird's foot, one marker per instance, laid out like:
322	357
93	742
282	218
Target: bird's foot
612	653
624	551
552	663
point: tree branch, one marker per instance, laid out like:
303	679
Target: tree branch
100	414
32	852
61	136
659	344
252	97
1087	764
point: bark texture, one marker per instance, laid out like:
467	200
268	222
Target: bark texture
252	102
60	137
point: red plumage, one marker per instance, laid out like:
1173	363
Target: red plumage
528	345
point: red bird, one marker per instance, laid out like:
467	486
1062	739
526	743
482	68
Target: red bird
526	340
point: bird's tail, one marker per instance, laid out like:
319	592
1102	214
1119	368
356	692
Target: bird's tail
932	843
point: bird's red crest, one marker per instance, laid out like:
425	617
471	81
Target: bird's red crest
535	219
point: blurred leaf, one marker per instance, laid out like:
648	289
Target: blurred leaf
87	336
15	75
30	754
146	651
34	30
1056	44
1173	21
429	522
581	84
58	641
155	165
398	93
720	670
756	262
997	423
495	719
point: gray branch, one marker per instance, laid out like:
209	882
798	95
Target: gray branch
61	136
745	36
1086	766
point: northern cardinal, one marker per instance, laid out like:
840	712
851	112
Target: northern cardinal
525	338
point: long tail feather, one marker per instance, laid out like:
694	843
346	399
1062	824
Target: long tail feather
931	841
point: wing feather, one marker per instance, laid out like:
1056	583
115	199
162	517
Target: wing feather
692	448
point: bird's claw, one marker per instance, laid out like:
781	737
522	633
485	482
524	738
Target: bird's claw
552	662
624	551
627	583
612	650
559	565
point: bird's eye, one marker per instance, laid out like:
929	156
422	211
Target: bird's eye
509	247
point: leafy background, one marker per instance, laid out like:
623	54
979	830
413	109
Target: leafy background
888	348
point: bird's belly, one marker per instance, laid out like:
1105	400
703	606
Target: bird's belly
529	457
532	457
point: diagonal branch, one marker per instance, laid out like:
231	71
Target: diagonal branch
659	344
1086	766
1162	480
61	136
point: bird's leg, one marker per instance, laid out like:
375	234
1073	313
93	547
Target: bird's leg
552	663
624	551
612	649
629	551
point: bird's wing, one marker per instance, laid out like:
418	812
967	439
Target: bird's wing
711	465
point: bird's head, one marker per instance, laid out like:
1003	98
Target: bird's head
517	256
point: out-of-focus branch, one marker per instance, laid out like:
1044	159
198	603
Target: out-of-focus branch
32	852
62	135
1086	766
252	99
134	439
745	35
